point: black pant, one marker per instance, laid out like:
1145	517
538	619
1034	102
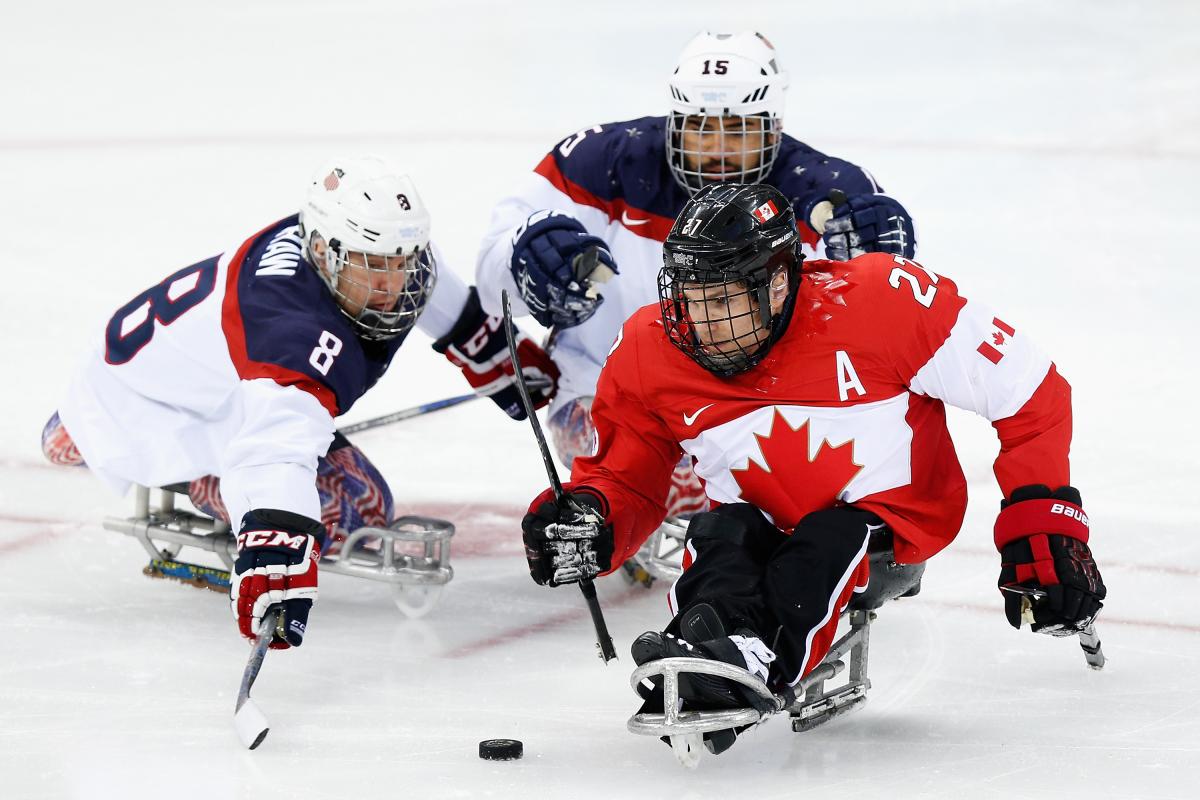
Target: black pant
759	578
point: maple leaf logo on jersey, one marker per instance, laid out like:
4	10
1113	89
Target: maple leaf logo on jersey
998	339
791	484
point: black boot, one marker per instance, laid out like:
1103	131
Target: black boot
701	692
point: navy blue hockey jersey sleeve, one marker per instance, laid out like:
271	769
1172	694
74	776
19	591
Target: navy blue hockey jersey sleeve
282	323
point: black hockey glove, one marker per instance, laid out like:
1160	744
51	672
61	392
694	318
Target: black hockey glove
1047	574
477	345
567	541
557	266
865	223
276	565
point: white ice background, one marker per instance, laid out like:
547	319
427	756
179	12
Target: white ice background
1050	152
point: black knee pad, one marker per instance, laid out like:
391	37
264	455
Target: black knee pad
737	524
831	536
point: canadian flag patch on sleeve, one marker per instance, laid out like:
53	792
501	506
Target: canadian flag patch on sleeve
994	347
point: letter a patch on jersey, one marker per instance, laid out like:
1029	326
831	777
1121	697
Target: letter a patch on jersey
847	378
994	347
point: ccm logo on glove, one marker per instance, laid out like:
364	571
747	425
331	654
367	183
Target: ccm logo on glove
295	541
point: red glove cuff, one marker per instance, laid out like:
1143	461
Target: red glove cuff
547	496
1029	517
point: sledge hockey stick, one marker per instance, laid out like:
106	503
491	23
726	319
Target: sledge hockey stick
604	641
417	411
248	721
408	413
1089	640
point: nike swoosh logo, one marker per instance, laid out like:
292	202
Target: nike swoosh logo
689	420
627	220
872	528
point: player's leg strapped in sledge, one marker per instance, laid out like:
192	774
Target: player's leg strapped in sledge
660	558
57	445
782	595
352	492
412	552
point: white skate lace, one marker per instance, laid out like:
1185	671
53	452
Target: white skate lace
757	655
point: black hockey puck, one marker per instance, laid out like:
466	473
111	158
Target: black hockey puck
501	749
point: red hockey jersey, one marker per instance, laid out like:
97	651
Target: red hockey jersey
848	407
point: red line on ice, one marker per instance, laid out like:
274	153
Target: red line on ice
548	623
44	532
1101	621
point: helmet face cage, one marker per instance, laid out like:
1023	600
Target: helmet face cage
381	295
733	249
722	319
734	148
719	324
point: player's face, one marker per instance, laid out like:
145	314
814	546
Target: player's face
725	316
372	281
724	148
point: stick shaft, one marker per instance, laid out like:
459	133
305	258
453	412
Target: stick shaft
408	413
510	334
415	411
603	639
1089	641
265	632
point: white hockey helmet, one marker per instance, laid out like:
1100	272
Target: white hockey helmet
727	89
366	232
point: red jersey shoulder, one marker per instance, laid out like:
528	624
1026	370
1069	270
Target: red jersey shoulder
881	294
642	352
884	312
638	334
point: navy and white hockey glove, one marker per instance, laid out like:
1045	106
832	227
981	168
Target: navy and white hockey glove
477	345
1047	574
567	541
276	565
865	223
558	266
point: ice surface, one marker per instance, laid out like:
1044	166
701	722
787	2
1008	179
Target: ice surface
1050	152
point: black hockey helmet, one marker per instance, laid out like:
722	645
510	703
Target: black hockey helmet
721	267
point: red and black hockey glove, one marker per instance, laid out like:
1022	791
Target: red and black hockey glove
477	345
276	565
1046	566
567	541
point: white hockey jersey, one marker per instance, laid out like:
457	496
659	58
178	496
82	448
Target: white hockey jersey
235	366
